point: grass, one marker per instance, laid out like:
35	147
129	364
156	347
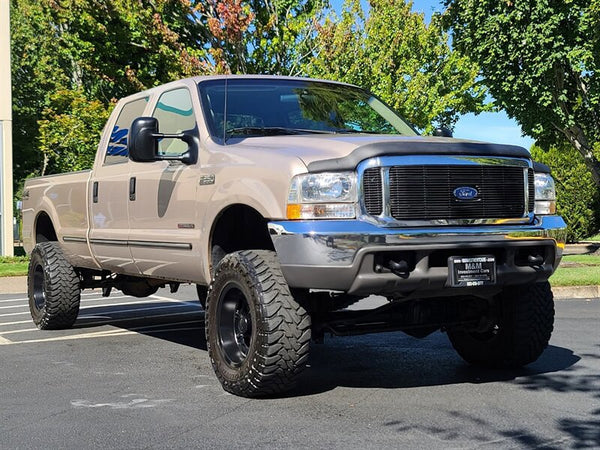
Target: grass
577	270
13	266
595	238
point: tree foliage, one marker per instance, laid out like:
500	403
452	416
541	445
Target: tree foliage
73	58
261	36
540	60
66	53
69	51
578	198
406	62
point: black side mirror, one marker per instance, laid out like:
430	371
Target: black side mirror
143	142
142	146
442	132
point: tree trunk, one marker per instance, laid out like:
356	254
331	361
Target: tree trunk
578	140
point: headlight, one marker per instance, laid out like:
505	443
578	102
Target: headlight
322	196
545	194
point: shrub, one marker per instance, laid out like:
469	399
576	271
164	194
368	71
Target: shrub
578	198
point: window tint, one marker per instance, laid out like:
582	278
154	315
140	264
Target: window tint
117	145
175	114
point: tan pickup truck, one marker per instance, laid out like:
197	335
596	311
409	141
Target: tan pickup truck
285	200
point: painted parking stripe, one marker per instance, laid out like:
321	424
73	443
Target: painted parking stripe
110	321
93	335
26	305
21	299
140	302
19	322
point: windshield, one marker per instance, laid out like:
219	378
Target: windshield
266	107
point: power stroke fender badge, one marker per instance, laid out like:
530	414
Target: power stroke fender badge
466	193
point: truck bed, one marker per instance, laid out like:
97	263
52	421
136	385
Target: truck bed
63	198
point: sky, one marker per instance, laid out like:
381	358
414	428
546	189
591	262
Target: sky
494	127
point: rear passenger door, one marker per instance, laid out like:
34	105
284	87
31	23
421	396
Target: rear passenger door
164	233
109	194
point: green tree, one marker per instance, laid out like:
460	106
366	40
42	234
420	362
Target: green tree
578	198
69	52
400	58
260	36
539	59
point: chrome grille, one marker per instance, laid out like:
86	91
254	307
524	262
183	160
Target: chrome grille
426	192
372	191
531	183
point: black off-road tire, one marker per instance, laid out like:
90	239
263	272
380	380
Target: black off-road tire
258	336
520	333
53	288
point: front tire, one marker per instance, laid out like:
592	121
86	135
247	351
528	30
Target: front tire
519	334
53	288
258	336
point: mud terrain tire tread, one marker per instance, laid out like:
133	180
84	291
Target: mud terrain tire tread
280	343
60	287
525	325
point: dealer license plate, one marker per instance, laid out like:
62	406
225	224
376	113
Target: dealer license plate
467	271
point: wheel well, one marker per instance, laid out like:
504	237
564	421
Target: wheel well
239	227
44	230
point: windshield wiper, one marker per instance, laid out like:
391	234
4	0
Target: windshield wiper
273	131
351	131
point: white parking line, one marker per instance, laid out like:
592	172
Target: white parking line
100	334
139	302
173	300
15	323
110	321
20	299
96	334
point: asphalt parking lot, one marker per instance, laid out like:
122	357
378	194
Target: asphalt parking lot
134	373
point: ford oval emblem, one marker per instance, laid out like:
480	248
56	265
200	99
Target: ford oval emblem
466	193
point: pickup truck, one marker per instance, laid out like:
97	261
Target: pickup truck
286	200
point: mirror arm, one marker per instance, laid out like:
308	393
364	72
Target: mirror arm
189	157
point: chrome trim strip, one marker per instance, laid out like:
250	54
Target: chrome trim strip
151	244
174	245
117	242
74	239
385	162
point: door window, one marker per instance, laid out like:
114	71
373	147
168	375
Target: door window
175	114
117	145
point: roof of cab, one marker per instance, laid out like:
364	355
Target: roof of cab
200	79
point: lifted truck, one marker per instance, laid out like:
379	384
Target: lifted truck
285	200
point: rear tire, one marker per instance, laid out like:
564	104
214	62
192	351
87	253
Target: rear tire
258	336
53	288
520	333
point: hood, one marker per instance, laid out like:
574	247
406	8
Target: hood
344	152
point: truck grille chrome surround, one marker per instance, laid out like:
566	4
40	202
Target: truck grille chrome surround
425	190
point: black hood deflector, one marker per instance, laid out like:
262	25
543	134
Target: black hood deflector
416	147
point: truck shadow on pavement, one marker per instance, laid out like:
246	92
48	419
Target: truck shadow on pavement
395	360
386	360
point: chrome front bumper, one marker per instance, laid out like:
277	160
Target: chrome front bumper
339	254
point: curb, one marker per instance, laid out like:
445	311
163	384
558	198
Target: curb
576	292
18	285
13	285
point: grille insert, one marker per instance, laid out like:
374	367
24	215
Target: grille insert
372	191
426	192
